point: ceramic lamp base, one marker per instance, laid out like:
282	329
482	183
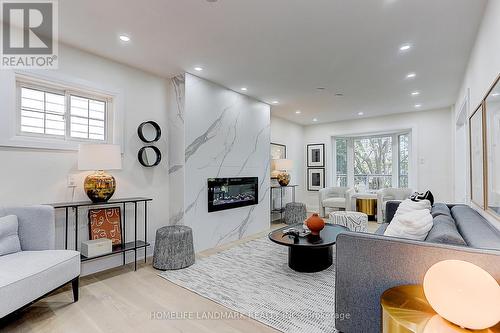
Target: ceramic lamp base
284	178
99	186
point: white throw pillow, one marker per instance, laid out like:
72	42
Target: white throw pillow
413	225
409	205
9	238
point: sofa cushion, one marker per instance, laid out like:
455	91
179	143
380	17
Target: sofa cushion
445	231
334	202
9	238
440	209
381	229
28	275
475	229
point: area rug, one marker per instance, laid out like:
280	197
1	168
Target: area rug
254	279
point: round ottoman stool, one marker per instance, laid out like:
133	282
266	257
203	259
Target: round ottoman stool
295	212
354	221
173	247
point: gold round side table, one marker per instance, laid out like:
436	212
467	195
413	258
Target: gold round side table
367	205
406	310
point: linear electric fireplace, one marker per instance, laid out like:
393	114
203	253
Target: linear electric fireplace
228	193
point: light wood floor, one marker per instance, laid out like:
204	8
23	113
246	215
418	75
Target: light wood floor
121	300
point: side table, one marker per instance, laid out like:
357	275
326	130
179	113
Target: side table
406	310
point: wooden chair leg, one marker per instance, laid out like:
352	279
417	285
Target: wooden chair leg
74	285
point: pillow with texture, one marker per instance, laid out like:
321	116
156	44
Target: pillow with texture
413	225
440	209
9	238
445	231
409	205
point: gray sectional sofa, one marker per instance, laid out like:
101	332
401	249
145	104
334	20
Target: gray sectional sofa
369	264
37	269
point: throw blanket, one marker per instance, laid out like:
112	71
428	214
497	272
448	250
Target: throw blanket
413	225
409	206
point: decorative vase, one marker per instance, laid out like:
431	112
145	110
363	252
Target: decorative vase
99	186
284	178
315	224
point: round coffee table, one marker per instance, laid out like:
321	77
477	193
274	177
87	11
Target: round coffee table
309	254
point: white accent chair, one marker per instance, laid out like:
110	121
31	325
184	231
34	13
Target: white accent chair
336	198
390	194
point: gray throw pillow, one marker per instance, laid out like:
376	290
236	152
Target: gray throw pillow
440	209
445	231
9	238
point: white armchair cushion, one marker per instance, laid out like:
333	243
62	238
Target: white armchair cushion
9	238
415	224
334	202
28	275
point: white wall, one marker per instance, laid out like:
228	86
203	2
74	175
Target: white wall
431	147
483	67
219	134
34	176
292	136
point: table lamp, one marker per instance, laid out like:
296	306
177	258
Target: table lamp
282	166
99	186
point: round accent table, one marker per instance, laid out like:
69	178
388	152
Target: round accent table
367	203
309	254
406	310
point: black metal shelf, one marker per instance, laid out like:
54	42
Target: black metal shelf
119	248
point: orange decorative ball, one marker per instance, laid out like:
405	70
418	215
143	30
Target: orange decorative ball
315	224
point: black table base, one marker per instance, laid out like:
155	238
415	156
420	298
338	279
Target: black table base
310	259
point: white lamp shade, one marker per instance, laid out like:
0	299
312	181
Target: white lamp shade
283	164
463	293
99	157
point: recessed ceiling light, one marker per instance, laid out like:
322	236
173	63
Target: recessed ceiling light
244	89
495	94
320	88
124	38
418	105
405	47
198	69
298	112
360	113
339	94
410	75
315	119
415	93
275	102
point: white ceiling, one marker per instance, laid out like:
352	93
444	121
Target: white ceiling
284	49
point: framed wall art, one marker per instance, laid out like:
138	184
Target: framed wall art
316	155
315	179
105	223
278	151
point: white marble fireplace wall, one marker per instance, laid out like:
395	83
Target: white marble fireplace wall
225	134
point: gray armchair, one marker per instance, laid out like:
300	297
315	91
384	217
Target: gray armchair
390	194
335	198
38	268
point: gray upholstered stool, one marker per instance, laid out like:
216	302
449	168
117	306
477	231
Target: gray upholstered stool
354	221
295	212
173	247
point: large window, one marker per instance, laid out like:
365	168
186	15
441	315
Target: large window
373	161
58	112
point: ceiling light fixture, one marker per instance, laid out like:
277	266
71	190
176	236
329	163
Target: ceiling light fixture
405	47
495	94
124	38
315	119
339	94
411	75
298	112
415	93
275	102
320	88
198	69
360	113
244	89
418	106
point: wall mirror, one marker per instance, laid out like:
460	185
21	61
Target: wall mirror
149	131
149	156
492	115
477	156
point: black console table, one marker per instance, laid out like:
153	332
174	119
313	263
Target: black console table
123	248
282	190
